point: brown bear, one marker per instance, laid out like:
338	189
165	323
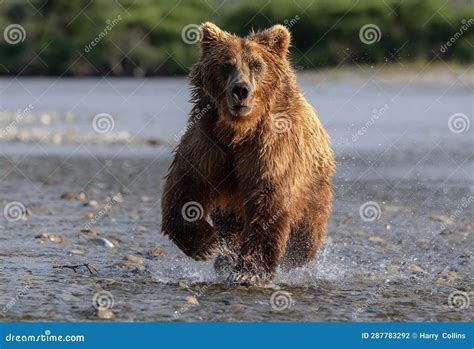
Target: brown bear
251	177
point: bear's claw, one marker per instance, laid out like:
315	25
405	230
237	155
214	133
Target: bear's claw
244	278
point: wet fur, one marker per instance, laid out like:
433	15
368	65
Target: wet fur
268	193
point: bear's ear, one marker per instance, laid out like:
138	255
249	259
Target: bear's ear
211	34
277	38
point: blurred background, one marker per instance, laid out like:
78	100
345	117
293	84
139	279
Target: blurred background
94	97
145	38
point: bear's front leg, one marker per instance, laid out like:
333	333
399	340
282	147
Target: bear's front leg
185	206
265	236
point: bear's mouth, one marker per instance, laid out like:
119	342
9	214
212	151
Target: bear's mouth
241	110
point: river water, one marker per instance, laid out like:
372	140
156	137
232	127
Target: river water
399	245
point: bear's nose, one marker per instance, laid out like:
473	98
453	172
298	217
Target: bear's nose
240	91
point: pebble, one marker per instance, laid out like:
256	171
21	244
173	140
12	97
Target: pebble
105	313
73	196
147	199
453	275
156	252
89	232
413	268
77	252
376	239
102	242
393	269
129	266
92	203
442	219
183	285
134	259
192	300
51	237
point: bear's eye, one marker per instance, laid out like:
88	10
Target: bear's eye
256	66
226	68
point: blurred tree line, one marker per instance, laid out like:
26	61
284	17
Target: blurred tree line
129	37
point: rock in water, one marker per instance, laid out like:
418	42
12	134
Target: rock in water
134	259
102	242
105	313
192	300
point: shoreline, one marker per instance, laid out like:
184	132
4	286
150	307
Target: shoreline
427	72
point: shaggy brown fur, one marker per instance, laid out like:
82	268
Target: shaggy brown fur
254	157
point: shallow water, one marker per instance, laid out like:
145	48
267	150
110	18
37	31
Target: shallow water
402	266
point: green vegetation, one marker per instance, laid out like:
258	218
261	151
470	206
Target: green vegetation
129	37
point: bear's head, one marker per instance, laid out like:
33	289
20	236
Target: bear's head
240	76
